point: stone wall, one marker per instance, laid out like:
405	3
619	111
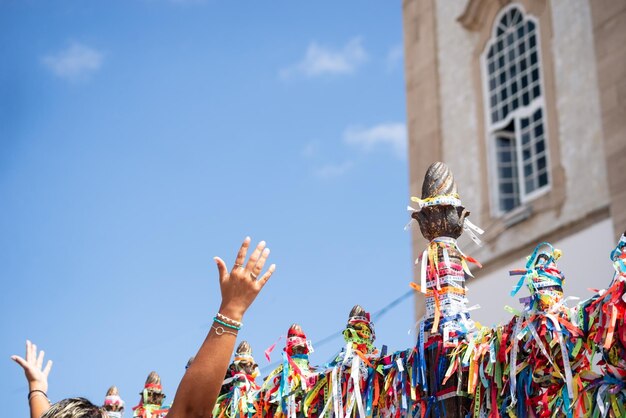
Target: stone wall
579	196
609	31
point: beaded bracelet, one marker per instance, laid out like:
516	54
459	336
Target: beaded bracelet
219	321
230	321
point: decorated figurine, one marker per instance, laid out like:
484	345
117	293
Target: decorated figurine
536	365
152	396
285	387
346	386
442	219
603	320
113	403
239	391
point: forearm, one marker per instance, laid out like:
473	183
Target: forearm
37	401
200	386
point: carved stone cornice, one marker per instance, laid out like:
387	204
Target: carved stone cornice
476	11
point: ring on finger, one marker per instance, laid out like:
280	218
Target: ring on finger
238	266
254	276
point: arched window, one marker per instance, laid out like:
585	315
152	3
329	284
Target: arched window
515	110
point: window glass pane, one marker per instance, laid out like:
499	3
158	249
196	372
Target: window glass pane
535	75
510	39
506	189
503	95
508	204
541	162
536	91
543	179
539	147
523	66
528	169
506	172
507	169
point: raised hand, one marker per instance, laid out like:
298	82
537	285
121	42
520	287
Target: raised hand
244	282
36	375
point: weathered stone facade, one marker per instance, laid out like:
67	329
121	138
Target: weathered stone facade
583	65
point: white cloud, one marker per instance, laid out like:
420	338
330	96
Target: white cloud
333	170
320	60
392	135
395	56
74	63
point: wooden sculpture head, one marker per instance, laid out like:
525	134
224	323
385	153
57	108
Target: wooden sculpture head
440	220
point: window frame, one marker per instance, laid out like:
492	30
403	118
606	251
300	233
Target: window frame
521	112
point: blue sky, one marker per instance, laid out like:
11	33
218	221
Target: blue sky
141	138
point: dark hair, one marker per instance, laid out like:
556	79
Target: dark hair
75	408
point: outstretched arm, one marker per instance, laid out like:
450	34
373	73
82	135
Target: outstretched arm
37	379
200	386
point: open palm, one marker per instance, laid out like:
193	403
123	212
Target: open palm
36	375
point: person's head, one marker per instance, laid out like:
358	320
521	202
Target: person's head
75	408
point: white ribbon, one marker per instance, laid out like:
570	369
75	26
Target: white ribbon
513	363
338	404
423	271
472	230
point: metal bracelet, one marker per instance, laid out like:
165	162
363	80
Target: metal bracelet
221	330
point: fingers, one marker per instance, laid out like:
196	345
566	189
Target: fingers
31	351
221	267
241	255
40	359
267	276
23	363
46	371
261	262
255	256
